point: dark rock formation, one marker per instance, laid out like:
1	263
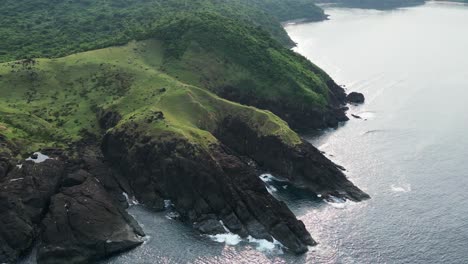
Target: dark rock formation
355	98
303	165
206	186
24	197
299	117
5	157
83	225
108	118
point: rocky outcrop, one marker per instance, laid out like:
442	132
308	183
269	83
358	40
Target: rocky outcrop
299	117
303	165
355	98
24	196
107	118
5	157
84	225
98	225
205	185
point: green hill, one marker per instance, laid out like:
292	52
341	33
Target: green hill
54	28
48	102
177	100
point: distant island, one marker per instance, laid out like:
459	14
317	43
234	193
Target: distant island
380	4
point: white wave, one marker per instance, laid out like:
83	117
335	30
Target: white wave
271	189
146	239
19	166
267	177
264	245
228	238
172	215
130	200
167	204
339	203
405	188
40	157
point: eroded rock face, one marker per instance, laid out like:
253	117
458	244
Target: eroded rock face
5	157
24	196
83	225
206	186
303	165
299	117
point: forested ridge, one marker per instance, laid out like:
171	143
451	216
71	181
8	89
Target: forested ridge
54	28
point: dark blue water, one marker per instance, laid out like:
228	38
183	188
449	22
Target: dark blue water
410	152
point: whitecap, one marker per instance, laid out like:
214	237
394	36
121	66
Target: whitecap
267	178
228	238
146	239
167	204
405	188
264	245
172	215
130	200
271	189
338	203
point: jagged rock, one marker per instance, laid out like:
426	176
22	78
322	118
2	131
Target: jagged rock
93	163
24	194
302	164
75	178
5	157
209	226
84	225
356	98
204	184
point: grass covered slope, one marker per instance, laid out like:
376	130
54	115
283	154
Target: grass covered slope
55	102
245	65
55	28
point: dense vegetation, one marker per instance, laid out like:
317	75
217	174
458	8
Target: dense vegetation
240	57
54	28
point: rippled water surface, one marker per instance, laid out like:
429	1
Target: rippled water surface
409	152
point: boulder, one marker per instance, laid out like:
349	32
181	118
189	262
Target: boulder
355	98
83	225
24	195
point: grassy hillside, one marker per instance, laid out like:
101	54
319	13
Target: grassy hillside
54	28
60	99
197	54
241	58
